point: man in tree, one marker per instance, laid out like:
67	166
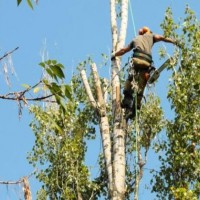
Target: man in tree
140	67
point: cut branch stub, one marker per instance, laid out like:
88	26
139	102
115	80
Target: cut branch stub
100	99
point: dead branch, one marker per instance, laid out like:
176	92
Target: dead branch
18	181
88	89
20	96
99	92
27	99
6	54
26	189
25	182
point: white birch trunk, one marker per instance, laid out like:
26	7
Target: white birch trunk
88	89
115	164
118	150
124	22
113	20
104	124
104	127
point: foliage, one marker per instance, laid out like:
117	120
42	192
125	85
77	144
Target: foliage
151	121
183	194
179	174
29	2
60	130
140	138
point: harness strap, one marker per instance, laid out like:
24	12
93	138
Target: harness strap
137	53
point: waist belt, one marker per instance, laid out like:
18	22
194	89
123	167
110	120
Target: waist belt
142	55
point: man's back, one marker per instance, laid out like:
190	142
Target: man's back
144	42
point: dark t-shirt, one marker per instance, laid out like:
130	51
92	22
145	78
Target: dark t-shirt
143	42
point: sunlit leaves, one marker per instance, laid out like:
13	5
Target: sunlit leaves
183	194
60	130
151	120
60	148
61	91
36	90
54	69
26	86
169	26
179	173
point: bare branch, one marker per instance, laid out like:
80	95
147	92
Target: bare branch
88	89
26	189
98	85
18	181
20	96
5	55
105	89
27	99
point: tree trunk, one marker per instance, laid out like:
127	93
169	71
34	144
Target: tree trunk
100	107
118	149
115	164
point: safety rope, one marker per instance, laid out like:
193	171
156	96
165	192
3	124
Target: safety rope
136	142
132	18
136	115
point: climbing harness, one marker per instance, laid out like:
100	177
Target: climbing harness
137	53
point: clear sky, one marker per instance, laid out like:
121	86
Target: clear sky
70	31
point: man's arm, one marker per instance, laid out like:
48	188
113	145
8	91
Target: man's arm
159	38
122	51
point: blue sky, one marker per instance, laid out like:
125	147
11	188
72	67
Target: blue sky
70	31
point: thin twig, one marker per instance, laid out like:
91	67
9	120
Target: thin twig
28	99
20	96
16	182
8	53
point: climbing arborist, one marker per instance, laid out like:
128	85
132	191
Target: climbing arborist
140	68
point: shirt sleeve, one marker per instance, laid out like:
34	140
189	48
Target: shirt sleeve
131	45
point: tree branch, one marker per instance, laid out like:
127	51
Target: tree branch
97	83
88	89
5	55
16	182
20	96
123	27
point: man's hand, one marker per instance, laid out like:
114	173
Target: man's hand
113	56
178	43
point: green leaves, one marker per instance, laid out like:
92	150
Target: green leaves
54	69
60	147
28	2
183	194
18	2
62	92
26	86
179	172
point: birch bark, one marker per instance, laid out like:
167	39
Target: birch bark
118	149
114	153
104	124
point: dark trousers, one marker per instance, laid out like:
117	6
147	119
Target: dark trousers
136	82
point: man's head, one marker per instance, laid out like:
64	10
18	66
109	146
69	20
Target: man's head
144	30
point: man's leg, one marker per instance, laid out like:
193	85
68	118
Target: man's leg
129	90
142	81
128	97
